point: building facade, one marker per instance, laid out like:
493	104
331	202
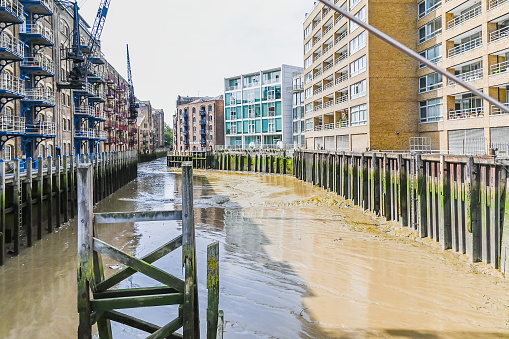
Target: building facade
299	122
38	115
360	93
158	122
145	128
258	108
198	124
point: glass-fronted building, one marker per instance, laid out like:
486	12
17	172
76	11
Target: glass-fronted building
258	109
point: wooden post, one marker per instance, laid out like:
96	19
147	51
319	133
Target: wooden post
2	212
85	249
421	192
471	215
16	203
49	194
504	259
40	196
65	184
28	200
444	216
191	318
213	289
58	196
72	173
494	219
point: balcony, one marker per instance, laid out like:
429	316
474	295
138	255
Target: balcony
40	97
340	58
327	30
37	64
338	19
472	44
340	38
232	88
327	48
295	88
495	110
318	128
315	23
11	48
203	121
11	11
341	99
45	128
318	108
11	124
110	125
317	40
41	7
87	91
10	86
468	76
317	91
328	104
84	134
495	3
474	12
84	112
501	67
465	113
36	34
342	78
342	123
328	85
499	34
203	113
328	67
317	57
317	74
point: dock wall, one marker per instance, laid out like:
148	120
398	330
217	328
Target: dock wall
38	196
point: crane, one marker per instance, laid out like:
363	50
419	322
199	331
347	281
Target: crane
133	104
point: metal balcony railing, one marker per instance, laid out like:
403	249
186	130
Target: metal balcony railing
232	88
474	12
271	81
467	46
100	135
342	78
318	107
328	85
327	30
317	39
295	88
38	60
501	67
328	67
85	133
10	83
327	48
318	128
341	99
499	34
84	110
429	10
338	19
326	12
328	104
466	113
340	58
340	38
40	94
496	110
315	23
317	74
468	76
34	28
12	124
328	127
495	3
13	6
41	128
317	91
13	44
342	124
317	57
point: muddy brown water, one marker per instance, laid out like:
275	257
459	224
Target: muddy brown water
296	262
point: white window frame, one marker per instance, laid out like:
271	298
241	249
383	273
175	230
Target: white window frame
431	86
359	115
430	29
433	109
361	15
359	89
358	43
358	66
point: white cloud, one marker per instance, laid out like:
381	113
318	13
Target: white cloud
186	47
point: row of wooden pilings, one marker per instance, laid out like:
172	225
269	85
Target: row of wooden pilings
266	162
461	202
37	196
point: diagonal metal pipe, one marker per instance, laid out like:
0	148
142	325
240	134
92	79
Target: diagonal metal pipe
381	35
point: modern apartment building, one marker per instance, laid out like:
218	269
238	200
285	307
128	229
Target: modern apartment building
198	124
299	123
470	39
258	108
359	93
363	94
38	117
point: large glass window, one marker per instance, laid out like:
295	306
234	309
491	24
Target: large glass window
357	43
308	31
358	89
361	15
354	3
308	62
358	66
430	82
358	115
431	110
433	54
307	46
430	30
428	6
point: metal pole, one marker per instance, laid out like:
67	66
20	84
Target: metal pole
414	55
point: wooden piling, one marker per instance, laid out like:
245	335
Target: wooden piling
3	250
16	204
27	189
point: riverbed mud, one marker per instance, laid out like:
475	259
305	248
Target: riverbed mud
295	262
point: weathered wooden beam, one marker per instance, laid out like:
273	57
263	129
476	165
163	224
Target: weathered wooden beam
16	203
124	217
108	304
3	250
213	289
131	321
85	243
28	199
167	330
134	292
39	197
149	258
139	265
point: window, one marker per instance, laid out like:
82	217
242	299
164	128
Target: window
358	115
210	108
307	31
361	15
272	109
358	66
194	119
210	117
308	62
354	3
8	110
194	110
357	43
431	110
307	46
309	92
430	30
358	89
433	54
8	153
430	82
210	127
309	77
428	6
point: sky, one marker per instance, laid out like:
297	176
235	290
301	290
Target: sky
188	47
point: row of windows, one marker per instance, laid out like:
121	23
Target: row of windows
194	109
